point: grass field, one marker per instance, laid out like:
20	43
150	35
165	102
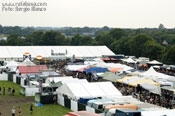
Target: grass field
7	102
46	110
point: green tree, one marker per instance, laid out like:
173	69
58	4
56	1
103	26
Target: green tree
105	28
20	41
35	37
168	55
137	45
12	40
86	40
104	38
3	42
52	38
1	29
161	26
121	46
117	33
48	38
76	39
67	41
170	38
153	50
60	39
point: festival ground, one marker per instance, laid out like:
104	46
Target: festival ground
7	102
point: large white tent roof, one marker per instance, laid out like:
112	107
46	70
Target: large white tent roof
73	90
93	89
58	79
45	51
109	89
99	89
74	80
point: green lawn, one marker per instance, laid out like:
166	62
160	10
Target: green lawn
7	102
8	84
46	110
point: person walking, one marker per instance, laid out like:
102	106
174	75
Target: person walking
54	100
3	90
0	90
13	111
13	91
31	108
19	111
9	91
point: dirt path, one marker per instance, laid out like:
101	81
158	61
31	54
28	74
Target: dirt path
7	102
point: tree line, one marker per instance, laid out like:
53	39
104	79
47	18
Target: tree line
156	44
67	31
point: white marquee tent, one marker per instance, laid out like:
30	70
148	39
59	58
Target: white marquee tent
15	52
72	90
86	90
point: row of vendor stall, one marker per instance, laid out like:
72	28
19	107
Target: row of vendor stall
80	93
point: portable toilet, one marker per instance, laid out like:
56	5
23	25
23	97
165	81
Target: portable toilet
127	112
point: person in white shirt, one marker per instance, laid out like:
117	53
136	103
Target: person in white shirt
13	111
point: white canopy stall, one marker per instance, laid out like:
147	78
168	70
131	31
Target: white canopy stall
151	73
161	78
88	90
57	79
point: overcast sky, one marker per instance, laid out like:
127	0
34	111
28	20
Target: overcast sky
95	13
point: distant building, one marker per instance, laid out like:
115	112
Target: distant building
3	38
165	43
89	34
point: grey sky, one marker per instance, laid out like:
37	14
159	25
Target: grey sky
95	13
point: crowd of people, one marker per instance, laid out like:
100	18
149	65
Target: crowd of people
11	91
146	96
170	72
18	110
141	94
160	69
